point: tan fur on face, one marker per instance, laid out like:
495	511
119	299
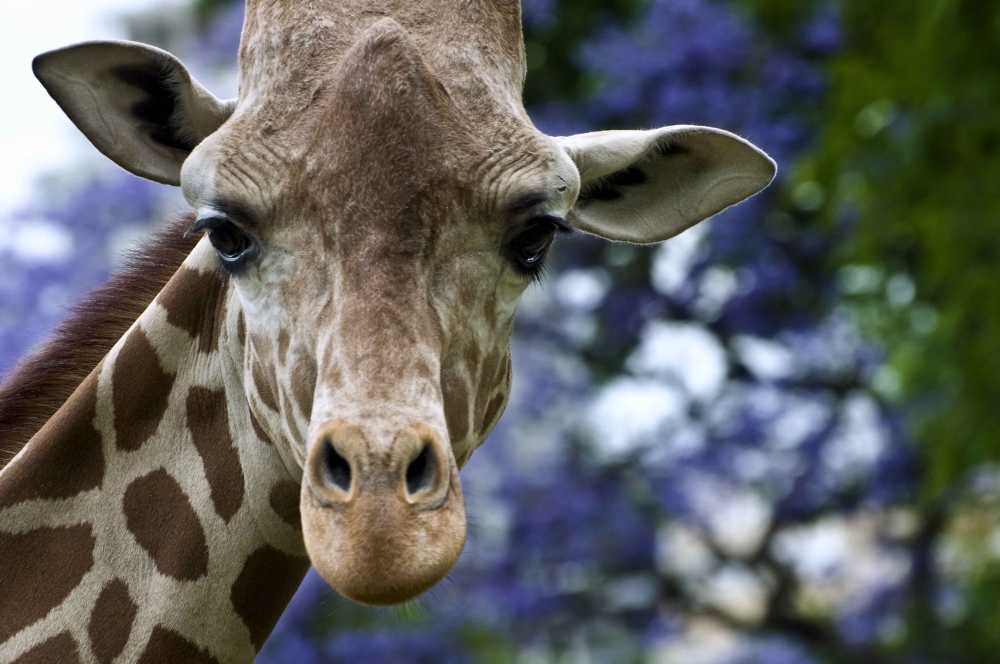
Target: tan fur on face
375	541
382	297
378	554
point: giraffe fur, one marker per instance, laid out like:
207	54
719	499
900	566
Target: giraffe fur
158	542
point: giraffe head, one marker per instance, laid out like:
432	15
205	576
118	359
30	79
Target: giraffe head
380	201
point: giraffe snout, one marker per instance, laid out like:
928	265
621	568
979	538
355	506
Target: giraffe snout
342	466
382	523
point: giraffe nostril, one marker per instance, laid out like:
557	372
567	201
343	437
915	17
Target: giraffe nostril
420	473
338	470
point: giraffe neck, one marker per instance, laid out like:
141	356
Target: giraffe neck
151	519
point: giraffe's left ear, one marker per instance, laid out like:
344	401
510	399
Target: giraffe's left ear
137	104
647	186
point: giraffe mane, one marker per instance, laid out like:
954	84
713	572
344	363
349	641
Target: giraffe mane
35	389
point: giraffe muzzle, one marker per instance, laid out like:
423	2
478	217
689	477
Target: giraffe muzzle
342	466
382	525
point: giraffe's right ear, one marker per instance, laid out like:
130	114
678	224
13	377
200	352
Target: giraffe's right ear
137	104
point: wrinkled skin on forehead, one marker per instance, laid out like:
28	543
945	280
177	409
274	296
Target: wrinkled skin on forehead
381	200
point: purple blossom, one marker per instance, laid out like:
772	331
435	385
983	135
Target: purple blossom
539	14
36	291
219	44
823	34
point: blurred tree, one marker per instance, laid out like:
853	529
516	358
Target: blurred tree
910	139
909	145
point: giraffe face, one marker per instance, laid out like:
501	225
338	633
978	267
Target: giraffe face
381	200
379	247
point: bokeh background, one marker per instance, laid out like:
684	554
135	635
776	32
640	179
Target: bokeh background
773	439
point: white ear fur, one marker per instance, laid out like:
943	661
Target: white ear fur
137	104
647	186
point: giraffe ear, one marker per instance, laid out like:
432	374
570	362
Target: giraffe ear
137	104
647	186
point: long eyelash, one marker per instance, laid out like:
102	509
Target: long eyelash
542	270
205	224
562	226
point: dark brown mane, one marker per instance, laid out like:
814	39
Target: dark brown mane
41	383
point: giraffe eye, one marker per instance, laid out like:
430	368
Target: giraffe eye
235	247
529	247
229	241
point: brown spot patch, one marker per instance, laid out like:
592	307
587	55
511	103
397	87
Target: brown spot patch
241	330
208	422
454	391
283	340
265	586
193	302
493	412
488	379
258	429
60	648
66	458
162	520
111	621
304	386
263	387
471	353
498	401
169	647
40	569
140	389
284	499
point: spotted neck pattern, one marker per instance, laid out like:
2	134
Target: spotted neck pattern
151	519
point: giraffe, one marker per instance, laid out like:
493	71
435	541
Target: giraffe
295	372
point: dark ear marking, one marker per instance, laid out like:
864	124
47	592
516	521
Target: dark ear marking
668	149
136	103
647	186
609	188
160	107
